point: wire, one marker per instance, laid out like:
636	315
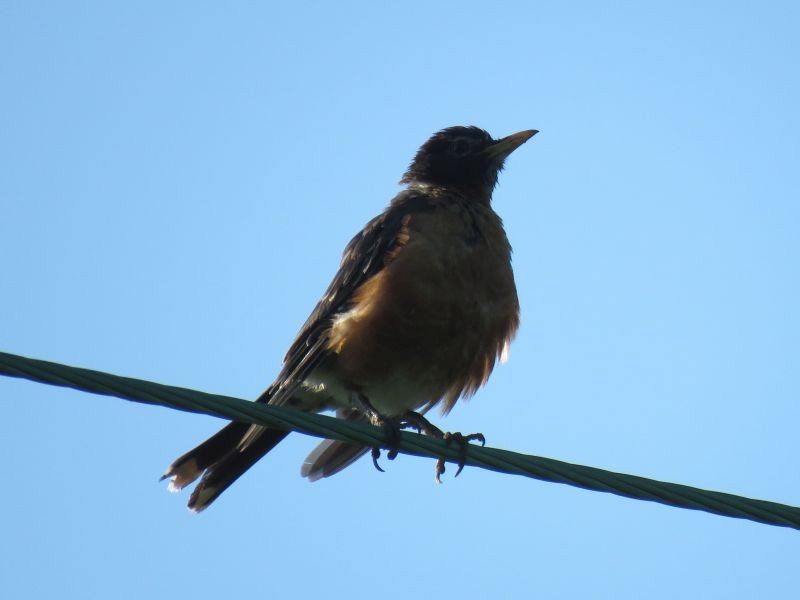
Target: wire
503	461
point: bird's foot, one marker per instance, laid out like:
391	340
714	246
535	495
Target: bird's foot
462	441
410	420
424	426
391	427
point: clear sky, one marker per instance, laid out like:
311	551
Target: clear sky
177	181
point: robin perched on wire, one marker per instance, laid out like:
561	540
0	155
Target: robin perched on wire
422	306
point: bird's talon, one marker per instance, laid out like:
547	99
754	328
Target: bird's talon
462	441
391	429
376	454
439	470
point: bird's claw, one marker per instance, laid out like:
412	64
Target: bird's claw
376	454
391	428
462	441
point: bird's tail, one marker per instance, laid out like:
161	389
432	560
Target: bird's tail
331	456
221	459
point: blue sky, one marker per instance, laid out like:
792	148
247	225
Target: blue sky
177	182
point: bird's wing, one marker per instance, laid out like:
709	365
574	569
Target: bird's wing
365	256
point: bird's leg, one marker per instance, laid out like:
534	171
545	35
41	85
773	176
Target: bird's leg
423	425
391	427
416	421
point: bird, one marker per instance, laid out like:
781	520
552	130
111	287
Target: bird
422	306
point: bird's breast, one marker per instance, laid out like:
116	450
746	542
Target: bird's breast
434	319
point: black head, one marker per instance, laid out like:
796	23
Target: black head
466	157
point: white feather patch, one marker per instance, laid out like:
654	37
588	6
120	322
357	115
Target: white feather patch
506	350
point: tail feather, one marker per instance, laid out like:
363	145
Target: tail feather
226	455
221	460
185	469
331	456
220	475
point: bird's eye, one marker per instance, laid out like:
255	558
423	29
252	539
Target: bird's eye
460	147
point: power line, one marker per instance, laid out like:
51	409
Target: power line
503	461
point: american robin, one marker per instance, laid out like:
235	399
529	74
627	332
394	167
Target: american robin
422	306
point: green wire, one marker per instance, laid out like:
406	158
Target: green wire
503	461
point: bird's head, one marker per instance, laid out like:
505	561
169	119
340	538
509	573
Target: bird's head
467	157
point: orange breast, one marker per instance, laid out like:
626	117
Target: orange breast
438	314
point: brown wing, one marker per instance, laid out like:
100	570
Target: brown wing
366	254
